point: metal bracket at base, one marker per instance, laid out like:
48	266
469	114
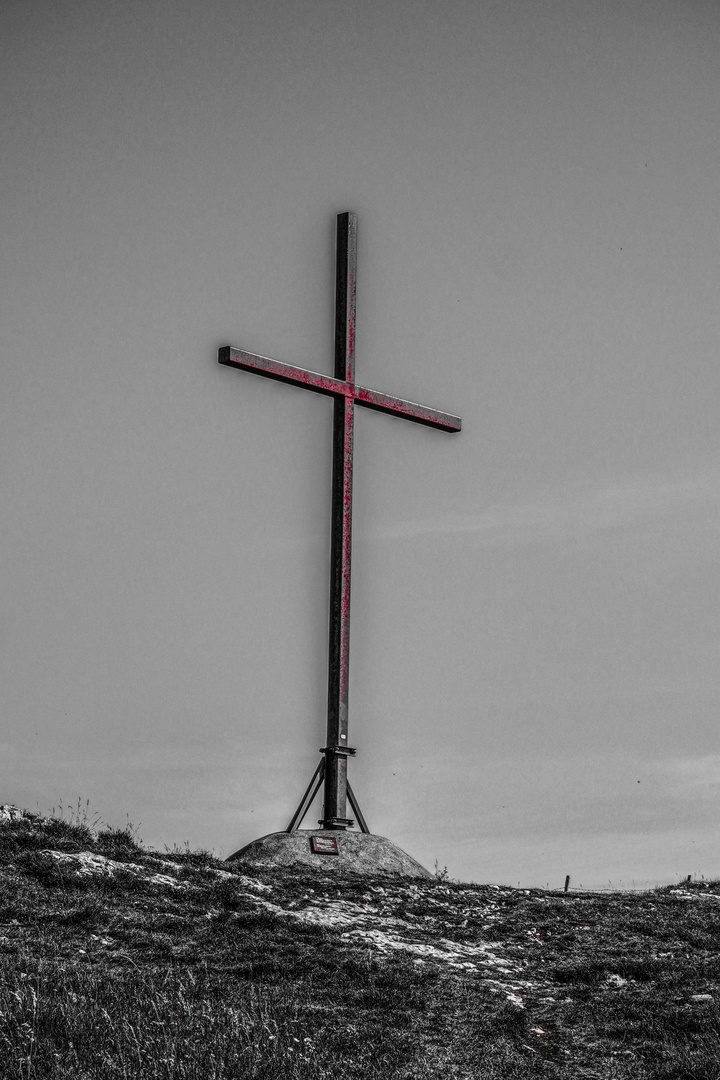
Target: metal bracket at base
340	751
312	790
337	823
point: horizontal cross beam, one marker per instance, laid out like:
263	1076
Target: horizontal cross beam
337	388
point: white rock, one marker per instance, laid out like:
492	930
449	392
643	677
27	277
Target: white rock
88	864
250	883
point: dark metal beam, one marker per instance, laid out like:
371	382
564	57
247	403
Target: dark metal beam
409	410
356	809
287	373
335	803
338	388
305	803
341	386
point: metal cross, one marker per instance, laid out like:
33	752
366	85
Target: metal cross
332	768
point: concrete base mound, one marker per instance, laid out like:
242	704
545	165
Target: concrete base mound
359	853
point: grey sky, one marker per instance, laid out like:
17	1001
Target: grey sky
534	642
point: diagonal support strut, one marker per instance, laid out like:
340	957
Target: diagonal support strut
305	803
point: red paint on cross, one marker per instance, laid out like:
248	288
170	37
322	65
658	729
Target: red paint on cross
344	391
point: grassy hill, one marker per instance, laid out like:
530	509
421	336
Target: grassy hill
122	962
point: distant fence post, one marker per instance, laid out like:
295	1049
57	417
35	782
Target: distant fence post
567	882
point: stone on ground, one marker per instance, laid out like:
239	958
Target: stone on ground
360	853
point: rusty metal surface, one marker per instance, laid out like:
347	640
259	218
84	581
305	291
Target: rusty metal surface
333	768
275	369
326	384
334	809
421	414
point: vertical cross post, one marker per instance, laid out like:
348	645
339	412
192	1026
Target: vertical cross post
342	388
337	749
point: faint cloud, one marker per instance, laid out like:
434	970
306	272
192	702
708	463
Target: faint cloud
690	778
584	513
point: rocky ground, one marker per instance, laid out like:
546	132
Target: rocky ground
118	961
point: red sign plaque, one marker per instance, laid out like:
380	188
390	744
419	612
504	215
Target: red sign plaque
324	845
